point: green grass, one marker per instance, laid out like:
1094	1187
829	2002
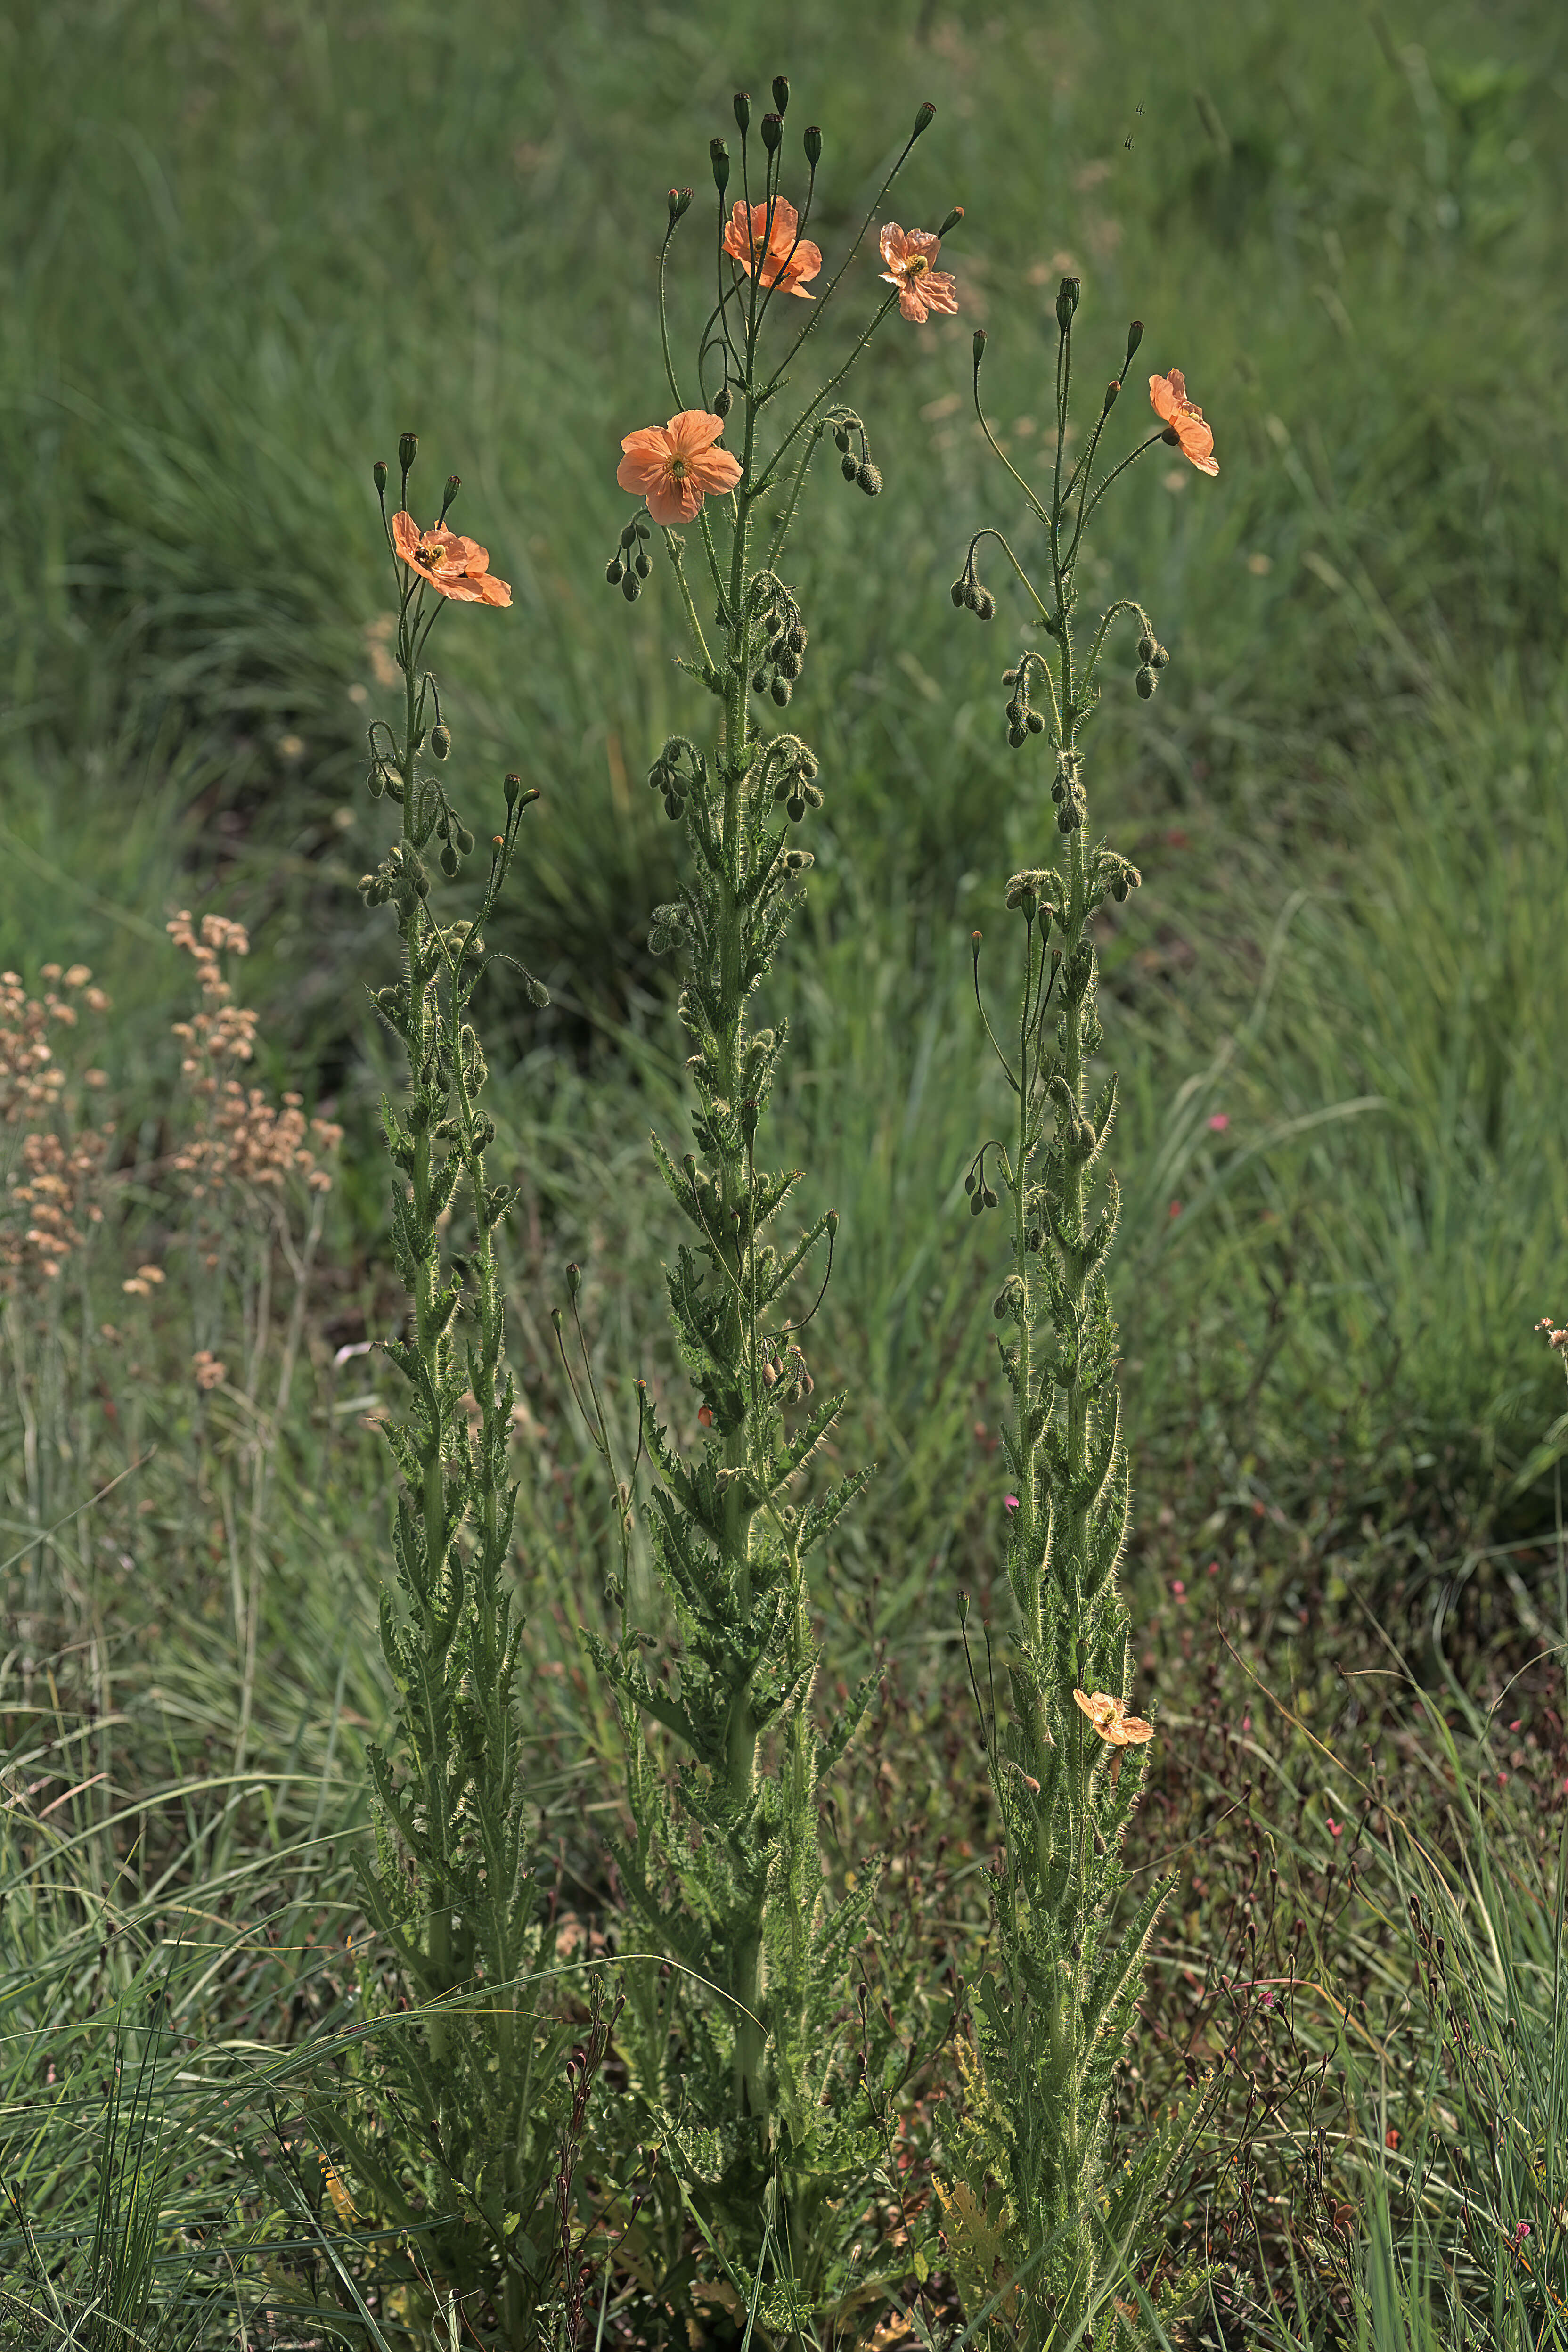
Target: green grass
242	249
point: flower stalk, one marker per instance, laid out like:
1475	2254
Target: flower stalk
770	2120
1053	2015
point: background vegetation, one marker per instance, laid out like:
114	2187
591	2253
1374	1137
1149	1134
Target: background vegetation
243	246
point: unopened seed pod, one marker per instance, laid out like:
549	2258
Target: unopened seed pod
613	571
440	741
812	142
724	400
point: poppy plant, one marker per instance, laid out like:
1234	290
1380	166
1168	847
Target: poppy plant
1183	420
907	258
675	466
458	567
1112	1720
775	252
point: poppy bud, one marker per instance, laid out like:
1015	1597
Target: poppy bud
781	92
1146	648
812	142
680	202
976	1203
407	450
1016	735
979	347
743	110
759	681
988	1197
629	588
378	474
641	565
956	593
454	484
440	741
720	155
724	400
1067	302
773	133
448	861
1112	389
1159	659
1145	682
789	664
923	121
782	691
951	223
464	841
795	638
847	467
513	786
613	571
1134	337
985	605
869	479
1034	722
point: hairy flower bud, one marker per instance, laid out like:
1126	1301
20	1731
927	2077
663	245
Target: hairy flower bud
812	142
1145	681
956	593
724	400
440	741
869	479
773	133
781	691
1160	658
984	605
1145	648
641	565
1067	302
718	154
1112	390
848	467
743	110
613	571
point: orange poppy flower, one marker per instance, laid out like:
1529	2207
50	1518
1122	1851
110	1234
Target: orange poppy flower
675	466
1112	1720
458	567
779	256
1183	420
906	257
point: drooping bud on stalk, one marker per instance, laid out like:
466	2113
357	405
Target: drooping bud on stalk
720	155
951	223
923	121
1067	302
724	400
440	741
773	133
407	450
454	484
812	142
378	475
743	110
781	92
1112	390
1134	337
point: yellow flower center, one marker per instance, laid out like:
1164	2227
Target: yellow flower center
428	553
916	266
677	469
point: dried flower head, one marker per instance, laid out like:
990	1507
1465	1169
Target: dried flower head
907	259
675	466
774	252
1183	420
458	567
1112	1720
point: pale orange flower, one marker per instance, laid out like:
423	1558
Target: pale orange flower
1183	420
458	567
675	466
772	254
1112	1720
906	257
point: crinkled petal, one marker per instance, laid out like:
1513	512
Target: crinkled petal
694	430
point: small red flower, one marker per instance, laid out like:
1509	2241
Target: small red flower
907	259
675	466
778	256
458	567
1183	420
